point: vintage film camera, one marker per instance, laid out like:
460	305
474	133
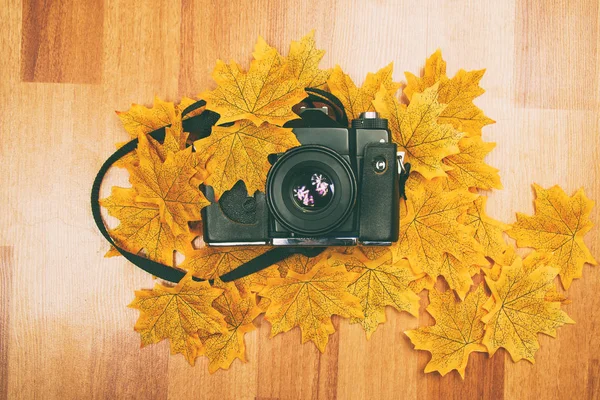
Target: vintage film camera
340	187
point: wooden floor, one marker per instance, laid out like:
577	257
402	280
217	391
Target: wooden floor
65	66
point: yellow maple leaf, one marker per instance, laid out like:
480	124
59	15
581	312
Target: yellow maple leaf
457	94
141	227
424	283
239	312
467	169
168	184
357	100
533	261
435	71
458	330
302	60
558	227
433	240
266	93
298	263
309	301
240	152
487	231
213	262
519	310
381	282
416	130
178	314
185	103
141	120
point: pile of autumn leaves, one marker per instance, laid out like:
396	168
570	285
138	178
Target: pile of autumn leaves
444	228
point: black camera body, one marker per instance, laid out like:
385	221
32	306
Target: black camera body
340	187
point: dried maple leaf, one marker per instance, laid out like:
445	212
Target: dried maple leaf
178	314
533	261
266	93
298	263
240	152
213	262
457	94
487	231
433	240
467	169
519	310
309	301
141	120
357	100
169	185
416	130
141	227
435	71
302	61
457	332
558	227
222	348
185	103
381	282
424	283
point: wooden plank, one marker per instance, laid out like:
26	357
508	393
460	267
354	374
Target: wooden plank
67	333
6	267
556	54
62	41
275	359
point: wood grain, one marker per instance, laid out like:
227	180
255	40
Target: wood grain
62	41
65	331
6	267
556	51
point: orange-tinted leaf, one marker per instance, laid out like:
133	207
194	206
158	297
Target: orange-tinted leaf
487	231
309	301
302	60
141	120
141	228
381	282
433	240
457	94
416	130
240	152
178	314
458	330
467	169
519	310
168	184
222	348
357	100
558	227
266	93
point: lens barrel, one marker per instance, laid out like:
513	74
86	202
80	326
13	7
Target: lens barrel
283	191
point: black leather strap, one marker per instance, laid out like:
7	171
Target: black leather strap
199	126
333	102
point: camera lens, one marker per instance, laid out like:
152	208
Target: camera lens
311	190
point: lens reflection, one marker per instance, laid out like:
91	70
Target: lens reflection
312	190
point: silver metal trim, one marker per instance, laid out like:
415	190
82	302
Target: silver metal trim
227	244
369	115
375	243
318	242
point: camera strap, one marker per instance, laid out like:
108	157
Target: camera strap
201	126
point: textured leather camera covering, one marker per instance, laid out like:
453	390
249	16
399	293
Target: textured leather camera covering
379	195
228	221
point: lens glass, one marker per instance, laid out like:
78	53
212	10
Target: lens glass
312	190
